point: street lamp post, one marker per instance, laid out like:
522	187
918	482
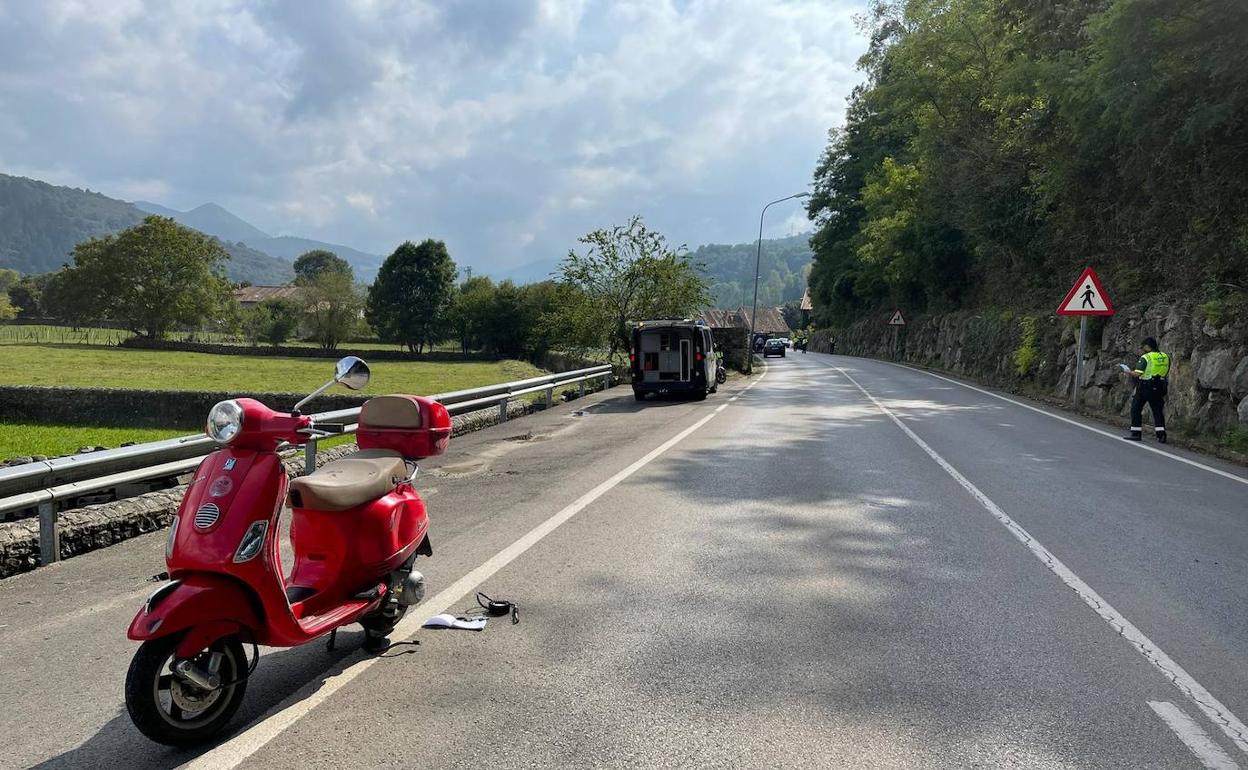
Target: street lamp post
758	260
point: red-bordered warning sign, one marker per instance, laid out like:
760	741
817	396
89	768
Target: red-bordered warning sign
1086	297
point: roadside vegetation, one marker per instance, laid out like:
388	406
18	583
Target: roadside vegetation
161	280
997	147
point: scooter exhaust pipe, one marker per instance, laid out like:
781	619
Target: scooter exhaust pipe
411	590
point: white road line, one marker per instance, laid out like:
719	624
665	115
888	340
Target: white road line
237	749
1077	424
1204	700
1206	750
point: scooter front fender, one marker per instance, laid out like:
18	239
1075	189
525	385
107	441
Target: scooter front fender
212	605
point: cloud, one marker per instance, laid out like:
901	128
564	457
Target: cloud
507	129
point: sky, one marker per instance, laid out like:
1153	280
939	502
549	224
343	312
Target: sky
506	128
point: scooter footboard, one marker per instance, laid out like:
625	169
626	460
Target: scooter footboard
214	603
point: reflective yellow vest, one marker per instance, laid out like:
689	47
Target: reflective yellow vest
1156	364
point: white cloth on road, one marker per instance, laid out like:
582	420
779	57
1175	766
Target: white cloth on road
447	620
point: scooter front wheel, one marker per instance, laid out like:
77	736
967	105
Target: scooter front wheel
171	710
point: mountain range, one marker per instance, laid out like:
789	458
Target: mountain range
41	223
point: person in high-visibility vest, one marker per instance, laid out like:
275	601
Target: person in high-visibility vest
1151	375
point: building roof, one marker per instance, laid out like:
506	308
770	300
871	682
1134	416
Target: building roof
720	319
806	303
250	295
769	321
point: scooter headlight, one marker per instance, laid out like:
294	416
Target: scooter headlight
253	538
225	421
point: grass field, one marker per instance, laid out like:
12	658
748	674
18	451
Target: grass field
105	367
19	439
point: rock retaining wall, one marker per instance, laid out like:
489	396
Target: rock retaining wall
1036	352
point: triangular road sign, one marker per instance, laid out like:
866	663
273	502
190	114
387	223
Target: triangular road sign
897	319
1086	297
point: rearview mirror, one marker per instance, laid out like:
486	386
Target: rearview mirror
352	372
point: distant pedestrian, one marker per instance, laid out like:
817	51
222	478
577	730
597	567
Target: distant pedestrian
1151	375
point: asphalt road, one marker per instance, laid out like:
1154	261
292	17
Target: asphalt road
844	564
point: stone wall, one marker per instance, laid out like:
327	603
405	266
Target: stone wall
1036	353
97	526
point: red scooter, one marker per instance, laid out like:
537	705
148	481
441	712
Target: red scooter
357	526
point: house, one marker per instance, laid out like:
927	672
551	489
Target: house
730	329
250	296
769	322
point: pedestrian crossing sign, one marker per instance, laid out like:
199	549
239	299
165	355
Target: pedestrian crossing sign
897	320
1086	297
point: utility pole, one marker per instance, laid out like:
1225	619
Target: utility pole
758	259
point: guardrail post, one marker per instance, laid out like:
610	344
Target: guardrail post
606	381
49	533
502	410
550	397
581	385
309	456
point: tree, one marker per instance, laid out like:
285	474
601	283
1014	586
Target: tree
312	264
26	295
628	273
151	277
72	298
409	302
273	321
332	306
7	311
507	322
8	279
469	311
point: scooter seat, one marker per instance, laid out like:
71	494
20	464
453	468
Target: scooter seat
351	481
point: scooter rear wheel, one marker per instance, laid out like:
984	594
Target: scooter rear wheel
174	712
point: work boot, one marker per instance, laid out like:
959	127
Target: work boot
1161	436
1132	436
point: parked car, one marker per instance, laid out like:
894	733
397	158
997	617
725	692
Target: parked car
774	347
673	357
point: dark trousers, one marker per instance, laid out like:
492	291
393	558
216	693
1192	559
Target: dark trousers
1153	393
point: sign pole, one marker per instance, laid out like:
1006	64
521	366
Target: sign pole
1083	332
1087	297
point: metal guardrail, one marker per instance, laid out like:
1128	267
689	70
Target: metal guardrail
41	485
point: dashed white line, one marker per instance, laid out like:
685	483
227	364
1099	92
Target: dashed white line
246	743
1206	750
1218	713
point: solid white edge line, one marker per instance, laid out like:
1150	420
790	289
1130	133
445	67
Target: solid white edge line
256	736
1205	748
1076	423
1219	714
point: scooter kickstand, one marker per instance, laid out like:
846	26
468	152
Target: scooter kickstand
333	638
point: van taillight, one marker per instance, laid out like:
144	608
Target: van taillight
632	358
697	356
